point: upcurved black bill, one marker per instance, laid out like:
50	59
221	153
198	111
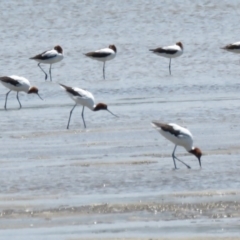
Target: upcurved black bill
112	113
39	96
200	162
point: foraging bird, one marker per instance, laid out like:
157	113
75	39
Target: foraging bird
18	84
103	55
179	136
49	57
234	47
84	98
169	52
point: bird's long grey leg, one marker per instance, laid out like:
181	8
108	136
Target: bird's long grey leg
50	72
104	70
83	117
173	156
19	101
5	106
182	162
43	71
170	66
70	115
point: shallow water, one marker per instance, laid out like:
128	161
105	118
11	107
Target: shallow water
116	178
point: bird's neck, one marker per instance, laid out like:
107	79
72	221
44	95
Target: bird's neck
96	108
191	149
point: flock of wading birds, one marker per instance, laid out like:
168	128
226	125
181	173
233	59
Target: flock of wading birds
173	132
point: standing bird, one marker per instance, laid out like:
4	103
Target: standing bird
234	47
18	84
84	98
169	52
49	57
179	136
103	55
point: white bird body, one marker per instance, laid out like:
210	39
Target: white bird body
184	138
23	84
233	47
49	57
180	136
169	51
84	98
106	53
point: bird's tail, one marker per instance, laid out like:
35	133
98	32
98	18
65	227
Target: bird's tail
63	86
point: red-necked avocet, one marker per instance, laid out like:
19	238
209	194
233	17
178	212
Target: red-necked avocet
84	98
180	136
169	52
103	55
18	84
49	57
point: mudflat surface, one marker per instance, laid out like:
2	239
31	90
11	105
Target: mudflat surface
115	179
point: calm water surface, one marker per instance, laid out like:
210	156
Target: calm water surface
116	178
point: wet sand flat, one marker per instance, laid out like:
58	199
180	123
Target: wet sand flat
115	179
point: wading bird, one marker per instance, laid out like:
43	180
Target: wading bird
49	57
84	98
169	52
180	137
17	84
103	55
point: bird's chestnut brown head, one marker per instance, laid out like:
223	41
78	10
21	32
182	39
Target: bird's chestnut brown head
58	49
198	153
34	90
113	47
